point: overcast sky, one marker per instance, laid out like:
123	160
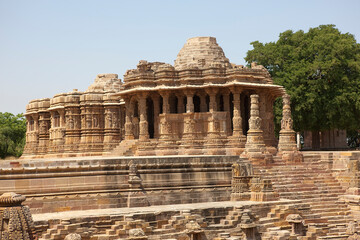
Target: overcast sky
49	47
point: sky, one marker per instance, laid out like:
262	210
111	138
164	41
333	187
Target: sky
49	47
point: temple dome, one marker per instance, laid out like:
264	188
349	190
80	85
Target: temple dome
201	52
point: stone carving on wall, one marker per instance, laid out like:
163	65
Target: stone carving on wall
242	170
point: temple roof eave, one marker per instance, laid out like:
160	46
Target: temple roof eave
280	89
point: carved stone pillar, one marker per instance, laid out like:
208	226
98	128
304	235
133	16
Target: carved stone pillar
180	103
203	105
287	137
44	126
143	124
212	103
237	120
62	118
166	105
167	145
32	134
255	147
189	102
128	124
92	130
165	126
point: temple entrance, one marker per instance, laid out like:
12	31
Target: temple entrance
173	104
196	101
150	116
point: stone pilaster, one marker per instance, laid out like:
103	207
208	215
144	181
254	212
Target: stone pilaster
287	147
237	140
44	126
92	117
255	149
73	122
112	134
32	134
57	132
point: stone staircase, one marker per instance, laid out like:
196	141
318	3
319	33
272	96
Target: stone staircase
125	148
313	184
59	231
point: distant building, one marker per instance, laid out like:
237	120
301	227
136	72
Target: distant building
325	140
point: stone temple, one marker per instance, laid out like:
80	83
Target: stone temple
201	105
183	151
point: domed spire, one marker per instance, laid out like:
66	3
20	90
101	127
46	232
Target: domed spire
201	52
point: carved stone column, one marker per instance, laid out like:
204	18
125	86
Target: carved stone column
237	120
143	124
44	126
189	102
287	148
167	145
255	147
212	103
166	105
215	141
165	126
180	104
128	124
203	105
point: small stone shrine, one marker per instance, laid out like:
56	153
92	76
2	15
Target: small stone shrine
15	219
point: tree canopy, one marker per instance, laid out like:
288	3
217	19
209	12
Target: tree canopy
12	134
320	69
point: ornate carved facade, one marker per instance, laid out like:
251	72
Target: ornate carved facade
202	104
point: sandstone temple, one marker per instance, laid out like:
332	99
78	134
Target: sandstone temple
184	151
199	105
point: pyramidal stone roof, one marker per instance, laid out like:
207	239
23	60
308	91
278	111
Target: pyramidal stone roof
201	52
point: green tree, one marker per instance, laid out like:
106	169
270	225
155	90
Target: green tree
12	134
320	69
